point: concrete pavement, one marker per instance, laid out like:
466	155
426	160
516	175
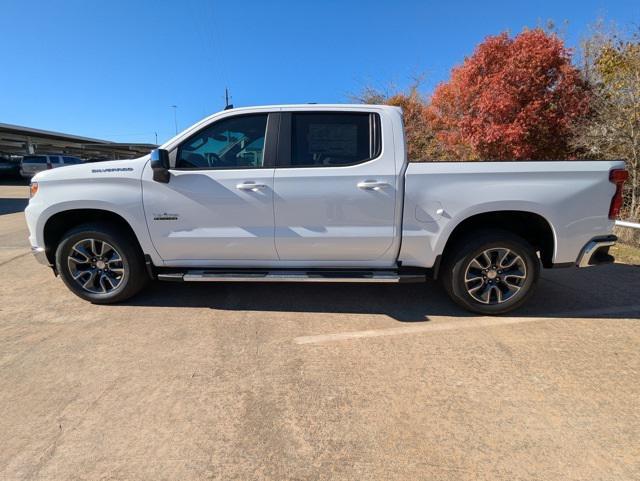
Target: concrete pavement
336	382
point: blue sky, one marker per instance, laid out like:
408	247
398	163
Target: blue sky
112	69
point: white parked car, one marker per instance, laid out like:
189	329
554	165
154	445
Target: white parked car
30	165
319	193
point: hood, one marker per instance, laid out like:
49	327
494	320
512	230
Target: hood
94	170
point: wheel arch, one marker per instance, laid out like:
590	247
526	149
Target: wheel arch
531	226
61	222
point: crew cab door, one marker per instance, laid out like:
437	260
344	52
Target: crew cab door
336	189
218	204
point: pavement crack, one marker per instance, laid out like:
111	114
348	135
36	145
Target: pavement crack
50	450
46	456
14	258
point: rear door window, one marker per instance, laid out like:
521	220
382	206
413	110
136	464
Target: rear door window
330	139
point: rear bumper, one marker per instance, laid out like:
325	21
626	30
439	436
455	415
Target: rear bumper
596	252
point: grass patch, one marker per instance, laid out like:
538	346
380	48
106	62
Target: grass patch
626	254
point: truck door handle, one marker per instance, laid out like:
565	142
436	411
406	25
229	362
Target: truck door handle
372	185
252	186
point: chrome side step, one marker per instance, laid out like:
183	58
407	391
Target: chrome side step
292	276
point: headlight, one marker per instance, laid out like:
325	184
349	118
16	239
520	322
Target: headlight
33	189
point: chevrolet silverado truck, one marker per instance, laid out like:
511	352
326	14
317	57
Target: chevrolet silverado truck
319	193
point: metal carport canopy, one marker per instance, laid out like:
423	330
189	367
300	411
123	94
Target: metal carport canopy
19	140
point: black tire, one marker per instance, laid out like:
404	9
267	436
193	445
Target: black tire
458	266
133	278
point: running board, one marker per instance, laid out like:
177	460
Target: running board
292	276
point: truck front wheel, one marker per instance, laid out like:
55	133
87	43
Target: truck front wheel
100	263
490	272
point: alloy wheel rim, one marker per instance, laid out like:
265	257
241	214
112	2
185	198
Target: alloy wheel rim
495	276
96	266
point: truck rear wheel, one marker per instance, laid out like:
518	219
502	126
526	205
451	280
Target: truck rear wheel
490	272
100	264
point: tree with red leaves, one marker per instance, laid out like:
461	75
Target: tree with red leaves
422	144
514	98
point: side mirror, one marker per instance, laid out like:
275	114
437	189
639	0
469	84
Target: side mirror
160	165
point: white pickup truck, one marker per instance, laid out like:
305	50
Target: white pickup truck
319	193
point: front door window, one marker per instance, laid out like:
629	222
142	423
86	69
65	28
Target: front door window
234	143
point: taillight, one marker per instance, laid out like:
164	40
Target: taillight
618	177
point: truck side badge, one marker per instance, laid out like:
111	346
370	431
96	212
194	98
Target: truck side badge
165	216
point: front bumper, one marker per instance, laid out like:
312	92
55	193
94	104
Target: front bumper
596	252
40	255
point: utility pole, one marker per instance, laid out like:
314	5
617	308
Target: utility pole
175	117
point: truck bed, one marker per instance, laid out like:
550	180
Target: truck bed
573	197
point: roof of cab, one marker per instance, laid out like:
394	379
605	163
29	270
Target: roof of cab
278	108
312	106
